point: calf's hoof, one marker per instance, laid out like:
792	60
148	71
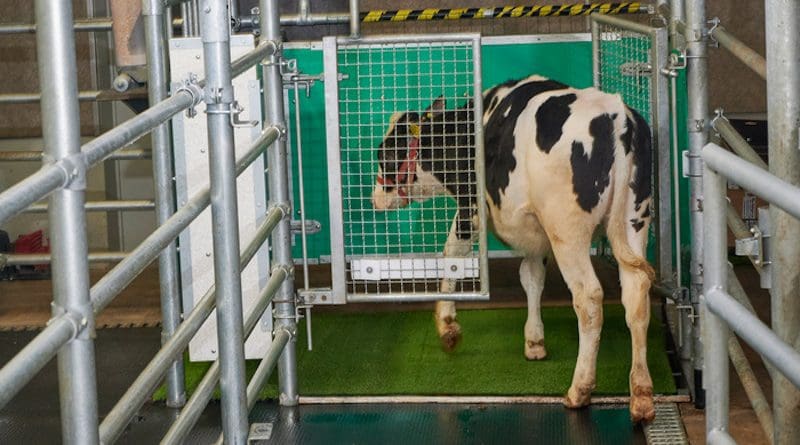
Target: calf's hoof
450	335
534	350
642	408
578	396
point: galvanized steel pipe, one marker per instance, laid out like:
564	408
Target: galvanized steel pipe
715	331
28	98
108	287
144	385
102	206
758	335
777	191
737	143
24	366
58	77
161	143
697	126
32	259
85	25
744	53
279	194
33	156
215	33
197	403
782	24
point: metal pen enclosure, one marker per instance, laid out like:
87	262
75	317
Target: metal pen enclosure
395	255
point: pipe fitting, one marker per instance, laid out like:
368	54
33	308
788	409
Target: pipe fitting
192	88
77	322
74	167
288	270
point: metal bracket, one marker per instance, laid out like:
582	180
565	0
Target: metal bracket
316	296
312	226
636	69
714	22
719	113
233	112
752	247
191	86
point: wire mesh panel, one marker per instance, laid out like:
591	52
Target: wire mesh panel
629	59
405	146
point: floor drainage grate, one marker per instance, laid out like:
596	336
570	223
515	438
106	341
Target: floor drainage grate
667	429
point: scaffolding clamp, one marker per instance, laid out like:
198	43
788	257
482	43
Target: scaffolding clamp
74	168
714	22
191	86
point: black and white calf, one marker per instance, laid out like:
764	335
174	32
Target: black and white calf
560	162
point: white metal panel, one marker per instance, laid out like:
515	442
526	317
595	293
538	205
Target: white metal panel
191	168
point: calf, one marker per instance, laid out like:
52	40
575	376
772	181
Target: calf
560	162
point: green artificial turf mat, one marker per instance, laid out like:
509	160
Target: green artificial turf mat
398	353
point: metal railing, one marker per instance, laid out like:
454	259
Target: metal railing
70	332
723	311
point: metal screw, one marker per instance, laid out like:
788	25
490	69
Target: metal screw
208	254
453	268
369	270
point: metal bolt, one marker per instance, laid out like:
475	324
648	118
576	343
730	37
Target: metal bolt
453	268
208	254
84	321
207	9
369	270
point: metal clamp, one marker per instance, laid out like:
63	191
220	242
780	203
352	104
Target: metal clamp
74	168
234	112
76	321
190	85
719	113
714	22
219	95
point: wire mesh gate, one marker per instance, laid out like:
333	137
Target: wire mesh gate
629	59
397	255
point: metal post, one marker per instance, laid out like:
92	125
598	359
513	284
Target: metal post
783	109
279	195
55	44
215	23
156	45
697	89
715	340
355	20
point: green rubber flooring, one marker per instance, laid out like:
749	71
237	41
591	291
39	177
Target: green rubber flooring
398	353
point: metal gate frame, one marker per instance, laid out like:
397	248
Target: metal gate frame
339	292
660	127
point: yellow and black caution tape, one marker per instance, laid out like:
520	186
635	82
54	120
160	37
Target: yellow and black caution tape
574	9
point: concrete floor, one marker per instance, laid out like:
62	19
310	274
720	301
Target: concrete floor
26	305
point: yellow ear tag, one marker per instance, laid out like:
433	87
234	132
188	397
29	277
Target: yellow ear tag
414	128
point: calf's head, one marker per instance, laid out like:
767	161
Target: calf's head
398	181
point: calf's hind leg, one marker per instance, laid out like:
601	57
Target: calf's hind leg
572	255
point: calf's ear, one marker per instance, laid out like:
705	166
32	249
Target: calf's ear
437	107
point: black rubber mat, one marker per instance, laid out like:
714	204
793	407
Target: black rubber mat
33	416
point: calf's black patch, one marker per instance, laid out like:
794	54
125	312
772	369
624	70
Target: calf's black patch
591	175
642	148
499	133
550	118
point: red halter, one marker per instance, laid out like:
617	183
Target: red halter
407	172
